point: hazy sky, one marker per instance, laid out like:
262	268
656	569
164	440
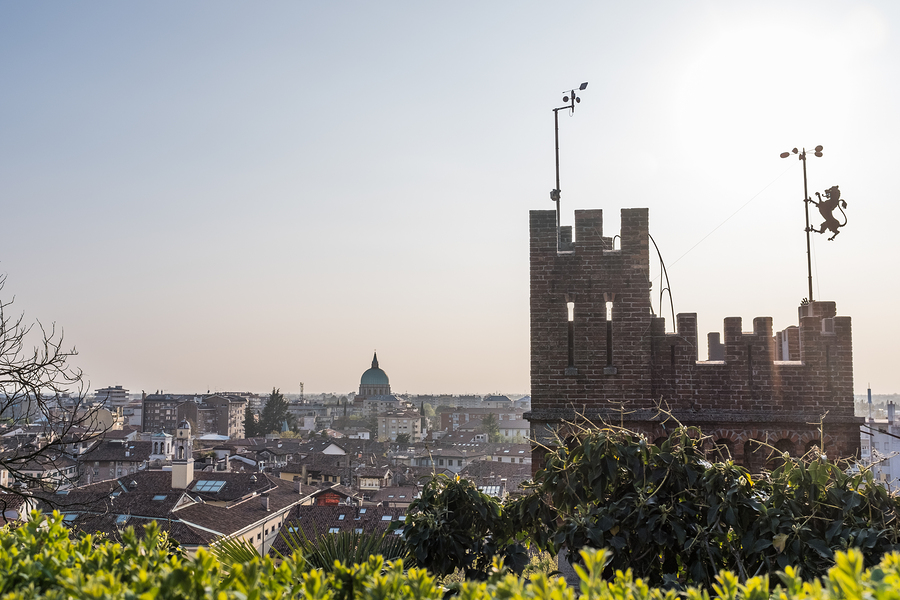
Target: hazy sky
236	196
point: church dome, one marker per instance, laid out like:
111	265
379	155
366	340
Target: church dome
374	376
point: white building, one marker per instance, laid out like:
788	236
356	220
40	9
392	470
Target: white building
880	448
112	396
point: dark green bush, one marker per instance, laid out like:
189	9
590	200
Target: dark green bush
454	526
675	518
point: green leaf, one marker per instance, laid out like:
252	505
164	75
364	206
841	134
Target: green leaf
820	547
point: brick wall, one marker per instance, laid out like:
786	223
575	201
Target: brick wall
748	396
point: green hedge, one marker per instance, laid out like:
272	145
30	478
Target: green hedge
39	560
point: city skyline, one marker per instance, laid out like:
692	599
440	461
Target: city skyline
238	197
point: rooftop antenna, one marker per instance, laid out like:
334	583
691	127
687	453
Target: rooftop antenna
572	99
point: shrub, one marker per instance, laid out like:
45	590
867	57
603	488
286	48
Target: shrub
452	525
347	547
39	560
675	518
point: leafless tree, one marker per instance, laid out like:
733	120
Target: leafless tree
44	411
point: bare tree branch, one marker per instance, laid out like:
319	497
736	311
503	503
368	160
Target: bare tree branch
46	419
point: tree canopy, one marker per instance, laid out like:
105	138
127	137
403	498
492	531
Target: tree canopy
274	414
491	427
250	424
452	525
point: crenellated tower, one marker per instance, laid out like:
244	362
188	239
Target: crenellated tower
598	351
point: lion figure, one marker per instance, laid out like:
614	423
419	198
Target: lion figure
827	207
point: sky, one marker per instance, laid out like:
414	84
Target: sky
240	196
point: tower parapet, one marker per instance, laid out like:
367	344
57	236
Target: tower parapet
598	351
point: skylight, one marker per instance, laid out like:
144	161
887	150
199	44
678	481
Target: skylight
70	517
386	517
159	497
209	486
122	519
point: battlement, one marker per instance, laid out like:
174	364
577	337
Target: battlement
589	236
597	347
751	374
608	292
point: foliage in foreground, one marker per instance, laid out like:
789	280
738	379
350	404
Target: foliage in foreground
348	547
39	560
674	517
452	525
320	551
663	511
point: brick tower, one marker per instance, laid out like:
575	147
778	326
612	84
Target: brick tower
597	350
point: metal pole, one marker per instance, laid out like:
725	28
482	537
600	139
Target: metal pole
806	202
556	135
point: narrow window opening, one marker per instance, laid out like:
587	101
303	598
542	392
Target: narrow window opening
570	306
750	365
609	298
609	333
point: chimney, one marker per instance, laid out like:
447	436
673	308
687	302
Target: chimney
265	501
891	413
182	473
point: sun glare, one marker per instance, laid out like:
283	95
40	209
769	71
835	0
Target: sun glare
759	83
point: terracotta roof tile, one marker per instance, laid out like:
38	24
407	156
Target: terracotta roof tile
109	450
148	495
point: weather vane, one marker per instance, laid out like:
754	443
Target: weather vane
826	209
572	100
